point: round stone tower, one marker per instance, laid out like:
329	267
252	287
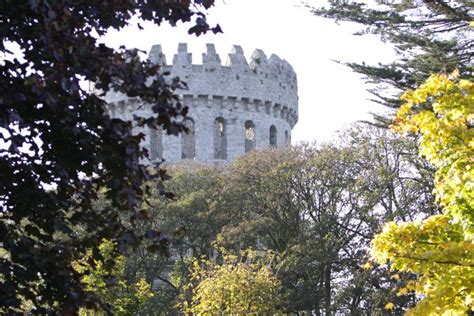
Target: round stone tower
233	108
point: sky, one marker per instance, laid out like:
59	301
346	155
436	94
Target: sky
331	96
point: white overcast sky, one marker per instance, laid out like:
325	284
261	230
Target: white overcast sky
330	94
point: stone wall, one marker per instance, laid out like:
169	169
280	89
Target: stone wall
232	108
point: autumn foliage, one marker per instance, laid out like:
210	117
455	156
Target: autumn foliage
239	286
439	249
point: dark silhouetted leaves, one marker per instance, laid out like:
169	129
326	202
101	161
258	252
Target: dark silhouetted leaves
48	194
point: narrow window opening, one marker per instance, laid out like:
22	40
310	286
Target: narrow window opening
250	136
273	136
156	144
220	139
188	144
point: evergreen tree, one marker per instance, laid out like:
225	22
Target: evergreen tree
429	36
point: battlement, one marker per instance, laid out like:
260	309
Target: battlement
233	107
262	81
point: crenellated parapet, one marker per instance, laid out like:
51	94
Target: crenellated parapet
268	81
234	107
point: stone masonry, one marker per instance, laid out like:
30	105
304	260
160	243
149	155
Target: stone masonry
233	108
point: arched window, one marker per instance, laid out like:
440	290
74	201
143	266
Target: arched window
188	144
220	139
249	136
273	136
287	138
156	143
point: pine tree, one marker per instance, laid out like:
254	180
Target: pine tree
429	36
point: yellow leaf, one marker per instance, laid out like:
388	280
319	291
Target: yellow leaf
402	291
419	247
389	306
367	266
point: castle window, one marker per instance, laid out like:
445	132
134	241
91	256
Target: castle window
188	144
220	139
250	140
273	136
156	144
287	137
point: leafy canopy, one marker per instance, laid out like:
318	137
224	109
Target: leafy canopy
442	111
106	278
53	133
239	286
440	249
314	206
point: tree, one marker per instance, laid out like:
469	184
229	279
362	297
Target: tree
59	145
110	284
319	206
428	37
191	221
239	286
194	213
439	249
315	207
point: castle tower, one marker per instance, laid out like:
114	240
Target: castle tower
233	108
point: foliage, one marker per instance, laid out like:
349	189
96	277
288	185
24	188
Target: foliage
319	206
440	249
237	286
428	37
189	221
193	214
316	207
106	279
442	111
56	134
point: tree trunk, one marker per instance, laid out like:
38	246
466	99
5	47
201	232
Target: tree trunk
317	310
327	289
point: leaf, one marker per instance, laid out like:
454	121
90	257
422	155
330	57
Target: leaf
438	249
389	306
